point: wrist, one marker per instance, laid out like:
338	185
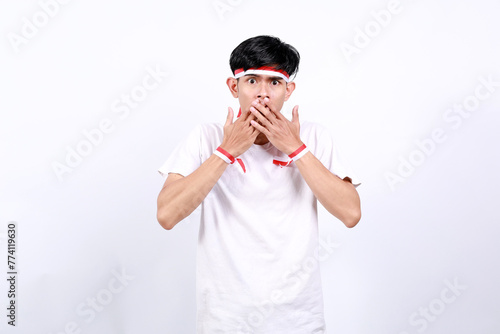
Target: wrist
299	152
227	157
293	147
229	147
224	155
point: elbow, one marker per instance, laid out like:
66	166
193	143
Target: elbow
165	219
353	213
166	215
353	219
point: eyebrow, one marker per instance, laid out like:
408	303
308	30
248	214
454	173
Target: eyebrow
260	76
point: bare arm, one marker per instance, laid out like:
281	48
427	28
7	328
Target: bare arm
338	196
180	196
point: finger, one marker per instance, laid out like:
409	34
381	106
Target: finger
230	115
247	117
266	103
268	113
259	116
279	116
242	116
272	112
254	132
251	117
259	127
295	115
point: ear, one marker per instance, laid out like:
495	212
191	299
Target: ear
290	87
232	83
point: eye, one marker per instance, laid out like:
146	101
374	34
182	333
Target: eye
252	81
275	82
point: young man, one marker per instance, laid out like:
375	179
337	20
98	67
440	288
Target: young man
258	180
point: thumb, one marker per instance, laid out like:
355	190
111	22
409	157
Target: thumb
230	115
295	115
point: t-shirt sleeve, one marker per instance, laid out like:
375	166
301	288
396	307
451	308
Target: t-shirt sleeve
186	157
329	154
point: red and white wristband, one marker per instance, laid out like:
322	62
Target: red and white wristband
299	153
224	155
295	155
227	157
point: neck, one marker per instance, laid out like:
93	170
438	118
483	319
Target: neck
261	139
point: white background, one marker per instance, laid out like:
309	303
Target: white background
438	225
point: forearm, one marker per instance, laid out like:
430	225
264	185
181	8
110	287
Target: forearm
339	197
179	198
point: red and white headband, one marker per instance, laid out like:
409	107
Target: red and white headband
264	70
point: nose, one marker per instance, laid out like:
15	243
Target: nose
263	92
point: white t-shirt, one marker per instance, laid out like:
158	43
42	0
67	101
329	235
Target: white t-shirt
258	247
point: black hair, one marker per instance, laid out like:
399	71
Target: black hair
264	50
